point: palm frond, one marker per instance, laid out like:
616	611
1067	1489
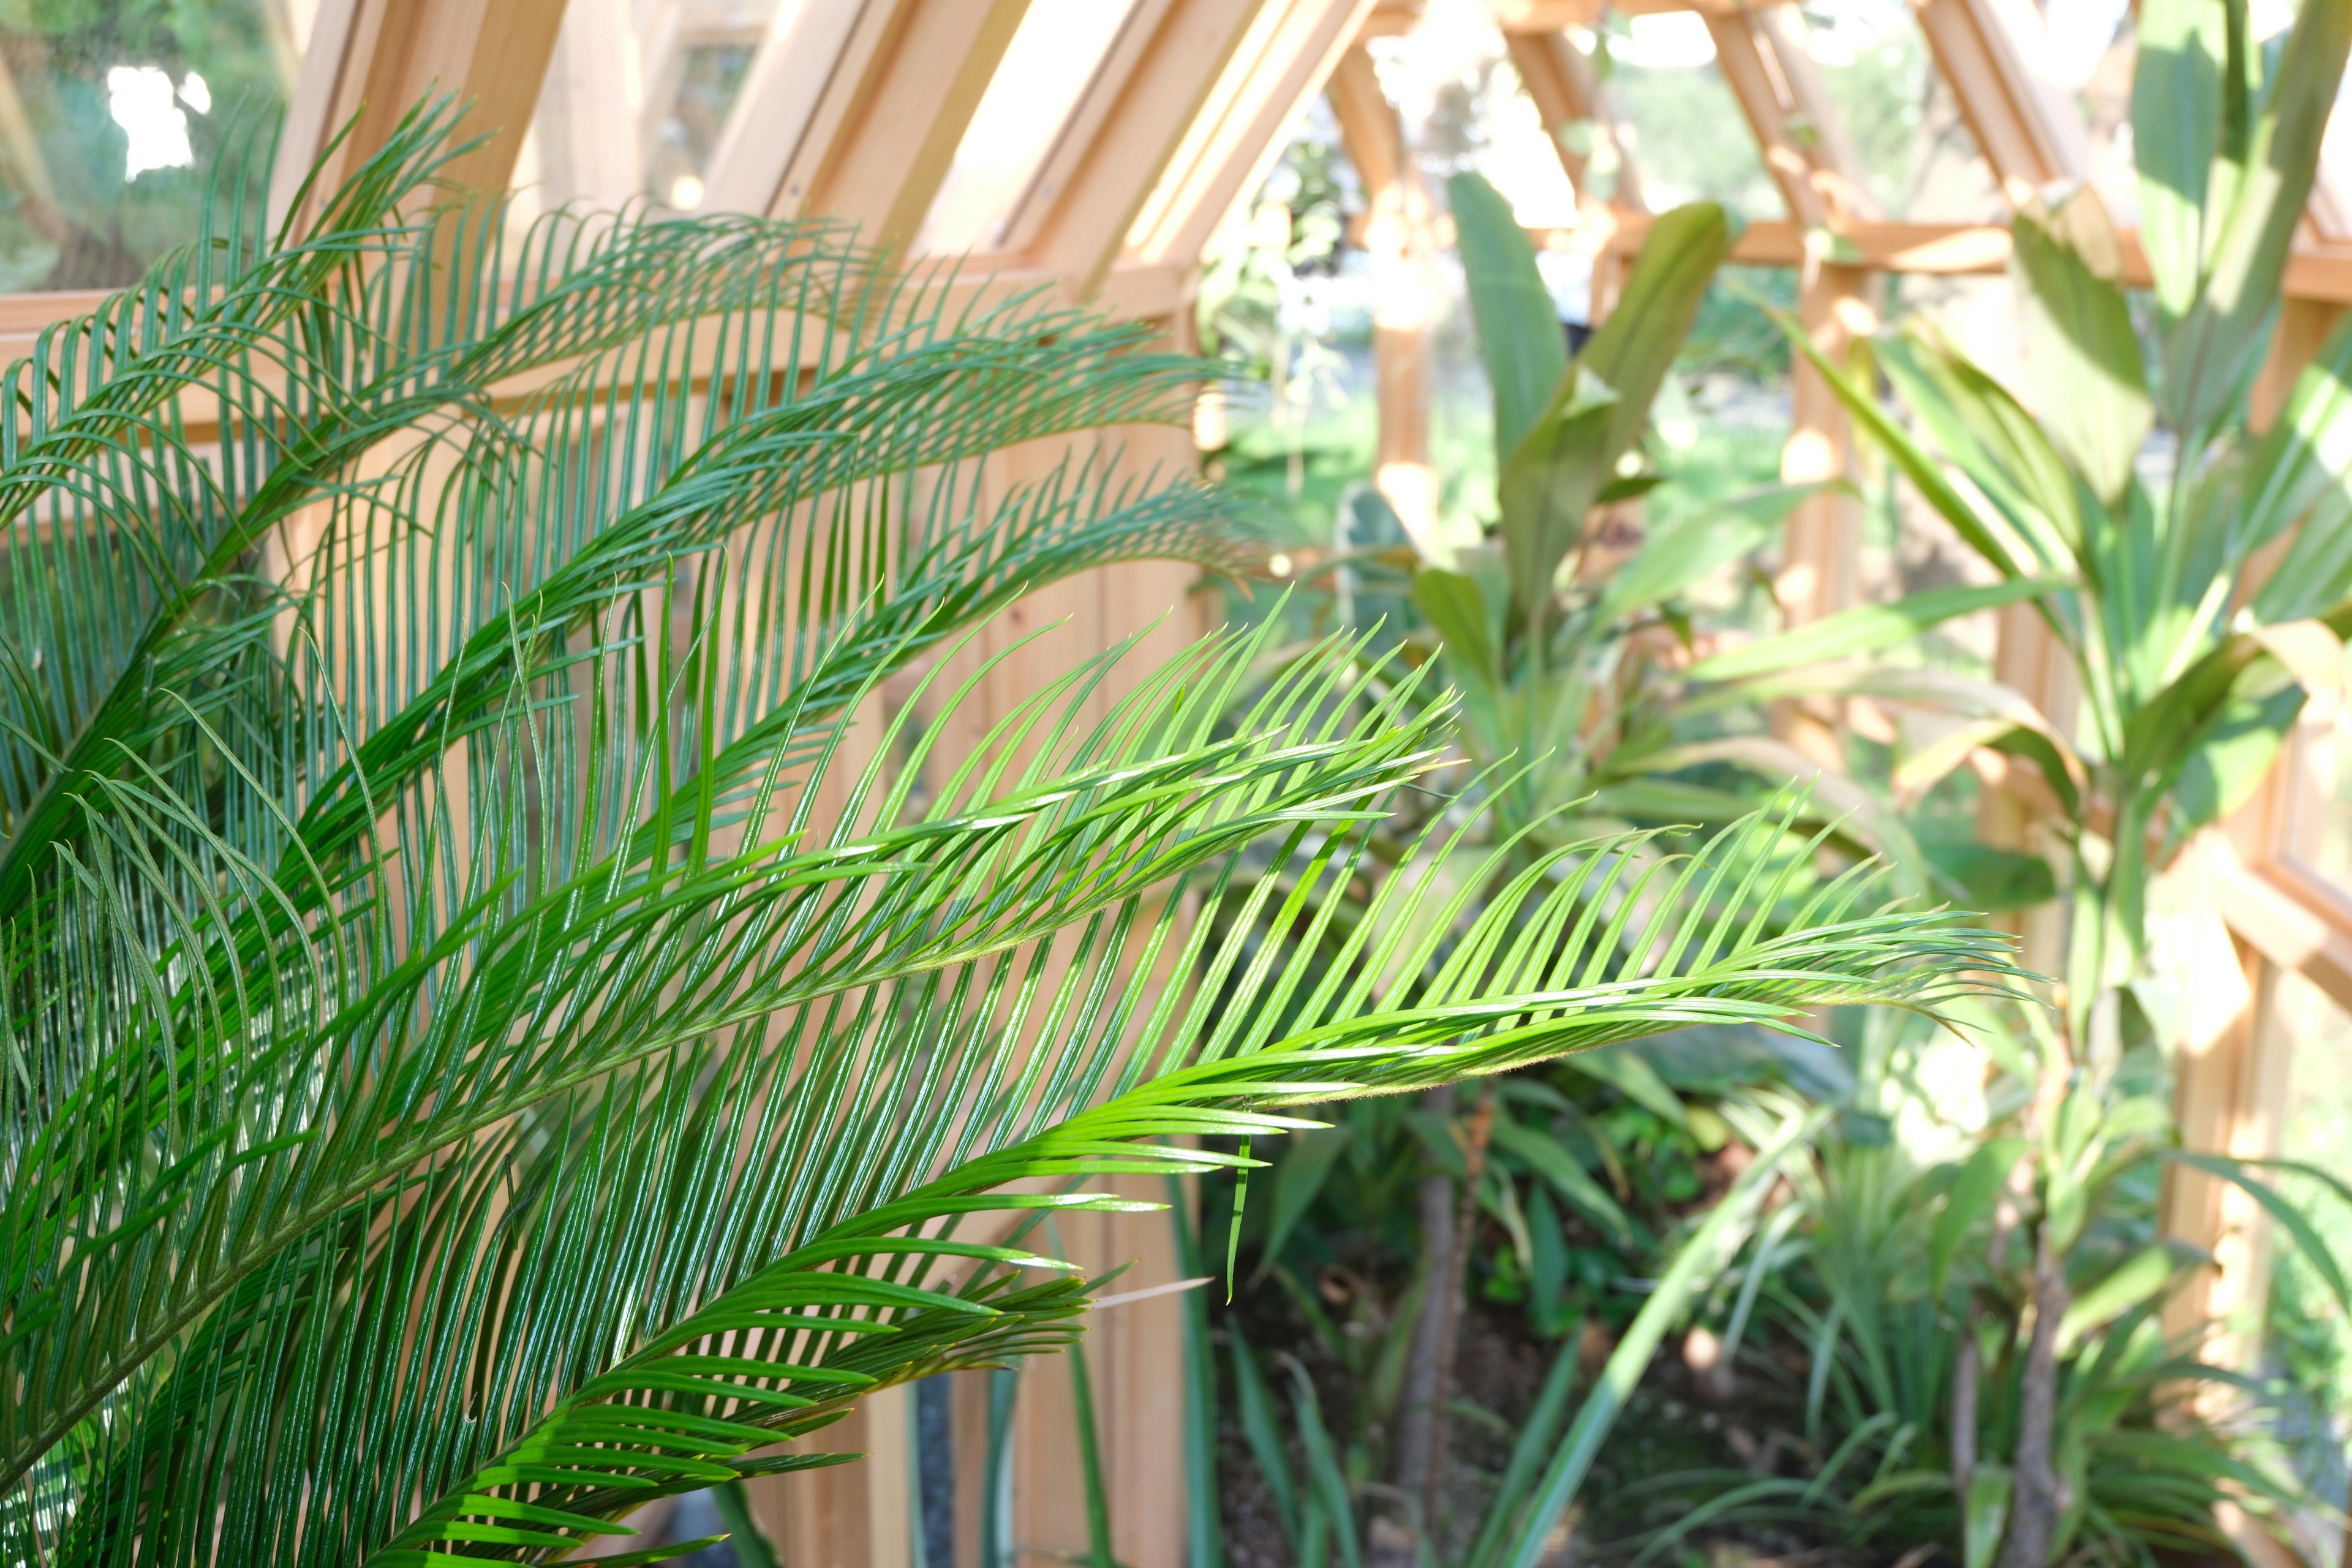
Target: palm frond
485	1039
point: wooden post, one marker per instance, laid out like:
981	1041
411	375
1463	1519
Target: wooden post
1761	56
2230	1096
1397	238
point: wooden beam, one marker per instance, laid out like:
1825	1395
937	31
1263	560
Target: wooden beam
2023	123
370	62
1125	134
1820	571
1552	15
2291	919
1561	83
884	131
1391	20
782	89
2229	1097
1798	129
1397	238
2303	326
1289	50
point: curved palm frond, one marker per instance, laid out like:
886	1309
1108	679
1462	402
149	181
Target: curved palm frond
458	1078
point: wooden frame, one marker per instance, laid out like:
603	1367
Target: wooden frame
855	109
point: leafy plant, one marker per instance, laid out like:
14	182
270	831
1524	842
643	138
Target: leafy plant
1897	1269
1578	713
489	1041
2198	576
1553	1451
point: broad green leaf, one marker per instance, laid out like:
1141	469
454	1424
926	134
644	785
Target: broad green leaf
2089	385
1866	628
1554	473
1691	1269
2127	1285
2176	119
2251	221
2223	761
1325	1476
1984	1518
1916	462
1992	880
1972	421
1298	1176
1686	550
1630	1075
1545	1156
1457	604
1520	332
1974	1191
1550	481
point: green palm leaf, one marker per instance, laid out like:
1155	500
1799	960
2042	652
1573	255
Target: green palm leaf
486	1041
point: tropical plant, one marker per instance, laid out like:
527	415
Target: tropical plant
1316	1503
489	1039
1884	1270
2197	575
1570	645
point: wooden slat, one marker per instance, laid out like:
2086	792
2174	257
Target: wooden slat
1389	20
1087	199
2231	1089
782	89
1397	238
1560	83
2289	917
371	60
1761	56
2021	122
1289	52
1552	15
884	132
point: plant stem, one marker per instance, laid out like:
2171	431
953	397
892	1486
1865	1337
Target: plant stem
1457	1265
2033	1513
1964	1413
1417	1401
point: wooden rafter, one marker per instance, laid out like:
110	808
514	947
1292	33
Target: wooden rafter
2021	122
1798	129
883	132
1560	83
369	60
1289	52
1396	235
1124	135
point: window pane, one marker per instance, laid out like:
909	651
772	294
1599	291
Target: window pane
1918	160
638	94
1046	68
1682	127
113	117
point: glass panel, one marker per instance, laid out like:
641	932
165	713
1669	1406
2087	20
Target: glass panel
1918	160
113	117
2090	51
636	96
1683	129
1459	98
1046	68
